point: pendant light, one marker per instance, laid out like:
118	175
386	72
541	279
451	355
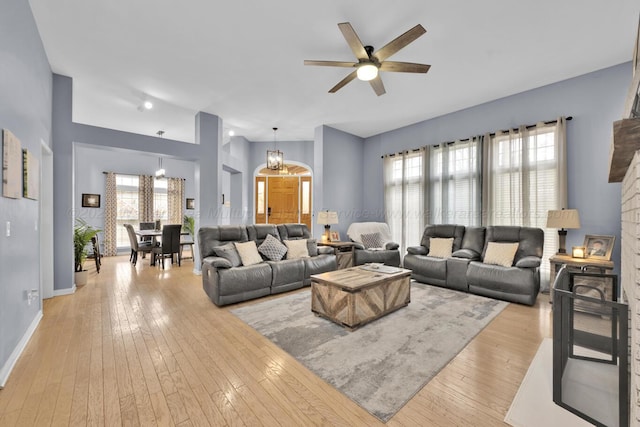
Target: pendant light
160	172
275	157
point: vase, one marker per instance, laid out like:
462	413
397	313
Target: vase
81	277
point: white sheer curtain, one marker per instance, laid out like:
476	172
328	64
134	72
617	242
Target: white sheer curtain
524	176
405	195
455	182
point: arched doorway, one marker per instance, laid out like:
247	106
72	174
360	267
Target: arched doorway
283	196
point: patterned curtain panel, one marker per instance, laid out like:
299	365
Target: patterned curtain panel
175	197
110	216
145	198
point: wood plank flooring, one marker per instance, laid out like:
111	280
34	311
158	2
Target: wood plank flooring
143	346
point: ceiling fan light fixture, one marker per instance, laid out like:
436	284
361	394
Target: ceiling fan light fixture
367	72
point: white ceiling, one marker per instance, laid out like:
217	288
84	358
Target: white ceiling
243	60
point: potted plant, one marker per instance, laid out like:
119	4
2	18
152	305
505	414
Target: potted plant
82	234
189	225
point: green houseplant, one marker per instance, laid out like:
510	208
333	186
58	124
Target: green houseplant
189	225
82	234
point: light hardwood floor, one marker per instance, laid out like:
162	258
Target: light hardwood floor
143	346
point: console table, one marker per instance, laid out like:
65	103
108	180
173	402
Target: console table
343	251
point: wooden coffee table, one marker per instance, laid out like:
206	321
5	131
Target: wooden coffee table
355	296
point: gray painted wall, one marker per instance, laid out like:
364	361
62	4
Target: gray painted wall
25	109
594	100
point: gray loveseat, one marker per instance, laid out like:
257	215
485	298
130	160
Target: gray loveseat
226	283
465	270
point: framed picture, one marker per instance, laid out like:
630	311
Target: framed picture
599	247
191	203
334	236
90	200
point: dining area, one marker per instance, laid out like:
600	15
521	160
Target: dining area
166	242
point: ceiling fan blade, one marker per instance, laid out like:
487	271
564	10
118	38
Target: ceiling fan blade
353	40
343	82
399	42
330	63
377	85
404	67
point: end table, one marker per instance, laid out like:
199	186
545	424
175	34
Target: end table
343	251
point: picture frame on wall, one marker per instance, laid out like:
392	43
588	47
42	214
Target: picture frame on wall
334	236
90	200
598	246
191	203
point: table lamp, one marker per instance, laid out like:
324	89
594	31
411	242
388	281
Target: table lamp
327	218
563	219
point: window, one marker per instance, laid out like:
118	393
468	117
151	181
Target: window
127	207
524	181
404	197
455	184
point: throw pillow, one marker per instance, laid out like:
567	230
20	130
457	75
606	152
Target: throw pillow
371	240
229	253
500	253
297	248
248	252
440	247
272	248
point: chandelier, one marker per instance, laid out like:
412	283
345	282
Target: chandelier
275	157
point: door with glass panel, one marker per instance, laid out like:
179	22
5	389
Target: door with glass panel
283	199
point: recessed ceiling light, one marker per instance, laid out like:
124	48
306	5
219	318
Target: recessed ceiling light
231	133
148	105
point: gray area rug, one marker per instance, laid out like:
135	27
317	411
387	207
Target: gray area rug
384	363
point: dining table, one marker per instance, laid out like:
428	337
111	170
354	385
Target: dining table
158	233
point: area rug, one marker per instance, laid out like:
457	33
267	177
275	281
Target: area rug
384	363
533	404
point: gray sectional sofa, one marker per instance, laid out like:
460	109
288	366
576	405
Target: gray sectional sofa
226	283
465	269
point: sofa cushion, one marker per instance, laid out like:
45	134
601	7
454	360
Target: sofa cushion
297	248
272	248
500	253
440	247
248	252
371	240
230	253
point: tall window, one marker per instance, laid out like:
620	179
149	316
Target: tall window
127	206
404	196
128	212
454	183
525	176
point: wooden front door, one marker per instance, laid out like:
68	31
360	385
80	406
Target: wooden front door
282	199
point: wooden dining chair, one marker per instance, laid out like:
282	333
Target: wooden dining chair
170	245
97	256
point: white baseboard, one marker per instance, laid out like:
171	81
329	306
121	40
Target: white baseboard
197	271
67	291
8	367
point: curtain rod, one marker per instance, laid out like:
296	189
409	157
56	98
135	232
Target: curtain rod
491	134
134	174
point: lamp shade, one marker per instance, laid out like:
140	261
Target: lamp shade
565	218
327	217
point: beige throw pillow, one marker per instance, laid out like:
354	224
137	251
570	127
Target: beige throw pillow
297	248
440	247
500	253
248	252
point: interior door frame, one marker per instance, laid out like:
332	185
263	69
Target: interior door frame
256	174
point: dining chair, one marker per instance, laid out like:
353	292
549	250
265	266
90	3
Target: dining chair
170	244
96	255
147	226
137	247
187	241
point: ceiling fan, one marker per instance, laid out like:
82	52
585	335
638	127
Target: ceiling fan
370	62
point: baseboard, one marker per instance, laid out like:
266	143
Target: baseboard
197	271
66	291
13	358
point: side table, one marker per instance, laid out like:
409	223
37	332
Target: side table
343	251
592	265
